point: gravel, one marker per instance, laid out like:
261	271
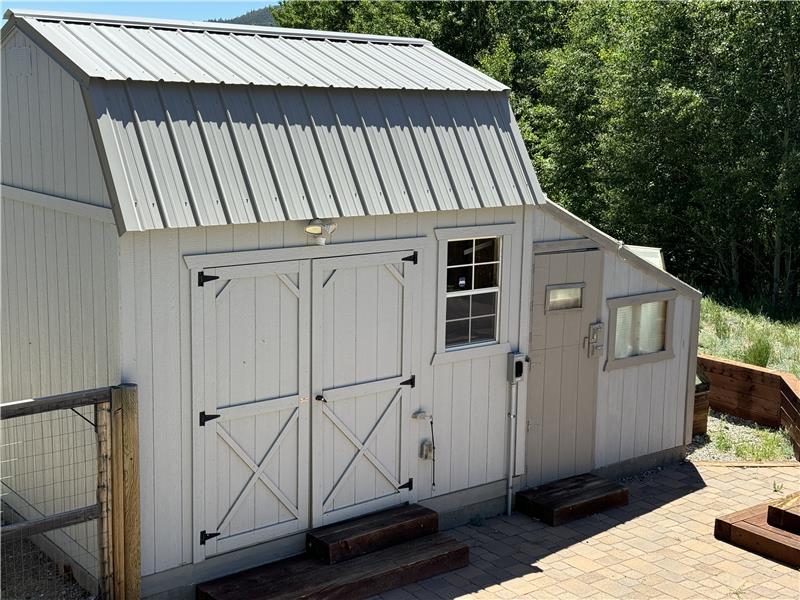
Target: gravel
733	439
29	574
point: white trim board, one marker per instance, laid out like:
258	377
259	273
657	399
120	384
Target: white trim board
228	259
73	207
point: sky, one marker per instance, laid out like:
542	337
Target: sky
191	10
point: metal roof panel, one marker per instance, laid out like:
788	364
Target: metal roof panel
122	49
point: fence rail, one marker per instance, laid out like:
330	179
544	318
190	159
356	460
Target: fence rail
39	516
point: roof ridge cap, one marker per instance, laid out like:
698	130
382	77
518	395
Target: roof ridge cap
178	24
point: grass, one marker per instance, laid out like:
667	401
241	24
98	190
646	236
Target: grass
750	337
731	438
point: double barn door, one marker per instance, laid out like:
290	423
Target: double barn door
301	382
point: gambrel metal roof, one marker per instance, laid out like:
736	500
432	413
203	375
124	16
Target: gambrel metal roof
219	136
121	49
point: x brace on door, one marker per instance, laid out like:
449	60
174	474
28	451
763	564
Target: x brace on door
361	448
258	471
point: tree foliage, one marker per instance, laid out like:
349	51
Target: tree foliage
671	124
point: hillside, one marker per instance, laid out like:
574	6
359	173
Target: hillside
259	16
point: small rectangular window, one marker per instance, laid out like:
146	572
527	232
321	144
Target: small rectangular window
473	290
640	329
563	297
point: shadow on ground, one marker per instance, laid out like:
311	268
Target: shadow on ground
511	547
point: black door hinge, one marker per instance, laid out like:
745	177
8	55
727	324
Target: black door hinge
412	258
204	418
205	536
202	278
412	381
408	485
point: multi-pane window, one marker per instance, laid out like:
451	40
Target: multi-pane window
640	329
473	291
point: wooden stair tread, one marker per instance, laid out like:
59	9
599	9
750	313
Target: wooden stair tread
750	530
361	577
571	498
785	513
346	540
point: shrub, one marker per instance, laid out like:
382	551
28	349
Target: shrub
759	351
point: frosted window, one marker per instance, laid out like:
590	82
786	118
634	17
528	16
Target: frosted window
561	298
640	329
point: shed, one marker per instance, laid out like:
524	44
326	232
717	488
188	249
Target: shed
314	252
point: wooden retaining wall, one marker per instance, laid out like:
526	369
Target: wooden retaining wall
766	396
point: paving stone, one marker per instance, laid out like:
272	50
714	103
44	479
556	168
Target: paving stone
659	546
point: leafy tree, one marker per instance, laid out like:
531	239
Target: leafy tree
673	124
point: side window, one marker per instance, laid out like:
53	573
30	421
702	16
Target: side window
473	291
640	329
564	296
473	298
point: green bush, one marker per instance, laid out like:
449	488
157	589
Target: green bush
758	352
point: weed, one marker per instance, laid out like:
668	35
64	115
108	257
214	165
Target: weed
777	487
723	441
759	351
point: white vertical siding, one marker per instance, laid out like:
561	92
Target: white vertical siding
59	298
59	334
640	409
47	145
468	399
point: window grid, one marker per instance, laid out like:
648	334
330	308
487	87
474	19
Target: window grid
475	291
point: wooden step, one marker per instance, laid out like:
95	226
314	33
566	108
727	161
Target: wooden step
749	529
362	535
571	498
305	577
785	513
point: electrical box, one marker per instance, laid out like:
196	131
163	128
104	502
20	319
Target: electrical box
516	366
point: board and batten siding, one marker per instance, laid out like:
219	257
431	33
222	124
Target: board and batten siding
59	334
47	146
640	409
468	398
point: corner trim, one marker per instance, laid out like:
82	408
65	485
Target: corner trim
59	203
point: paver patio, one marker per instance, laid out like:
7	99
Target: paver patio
659	546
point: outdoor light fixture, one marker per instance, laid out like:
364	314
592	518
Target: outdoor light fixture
321	230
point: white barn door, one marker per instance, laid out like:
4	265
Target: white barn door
361	382
251	335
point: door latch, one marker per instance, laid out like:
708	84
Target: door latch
320	398
593	340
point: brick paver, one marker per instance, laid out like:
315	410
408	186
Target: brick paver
659	546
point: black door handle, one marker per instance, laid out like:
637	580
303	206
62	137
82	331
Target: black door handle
320	398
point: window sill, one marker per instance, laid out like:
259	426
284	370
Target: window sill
635	361
469	353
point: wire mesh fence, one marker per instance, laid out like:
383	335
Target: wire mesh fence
52	542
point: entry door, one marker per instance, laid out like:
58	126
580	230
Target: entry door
361	383
567	288
251	354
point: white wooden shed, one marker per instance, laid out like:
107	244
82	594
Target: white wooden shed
165	188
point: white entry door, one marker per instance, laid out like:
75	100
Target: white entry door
251	334
361	383
566	343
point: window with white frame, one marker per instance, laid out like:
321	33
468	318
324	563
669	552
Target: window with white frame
473	291
640	328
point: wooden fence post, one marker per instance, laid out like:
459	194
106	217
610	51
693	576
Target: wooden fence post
126	529
102	413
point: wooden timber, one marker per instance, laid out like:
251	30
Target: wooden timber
361	577
785	513
750	530
125	522
572	498
346	540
